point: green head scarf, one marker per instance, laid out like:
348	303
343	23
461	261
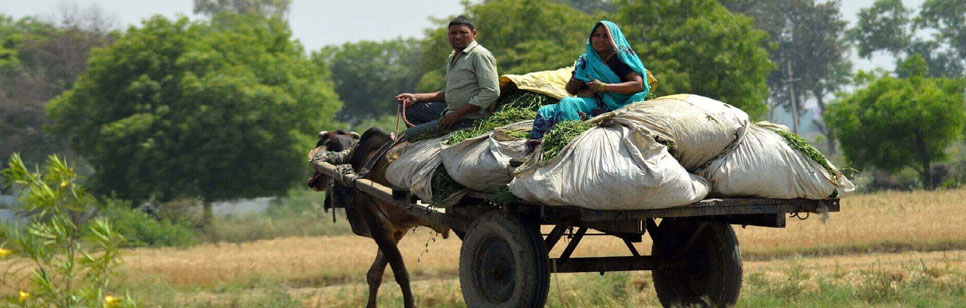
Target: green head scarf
590	66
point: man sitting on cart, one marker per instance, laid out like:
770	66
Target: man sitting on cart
471	87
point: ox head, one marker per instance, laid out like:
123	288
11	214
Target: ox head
330	141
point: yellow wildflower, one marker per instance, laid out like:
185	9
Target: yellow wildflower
110	301
63	184
5	252
24	295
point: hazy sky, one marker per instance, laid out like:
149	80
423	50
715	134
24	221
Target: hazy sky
321	22
314	22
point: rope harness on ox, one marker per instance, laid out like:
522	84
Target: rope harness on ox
342	188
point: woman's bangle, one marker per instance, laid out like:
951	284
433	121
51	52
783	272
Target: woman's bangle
600	88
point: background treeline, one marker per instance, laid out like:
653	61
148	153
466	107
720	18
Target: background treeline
225	106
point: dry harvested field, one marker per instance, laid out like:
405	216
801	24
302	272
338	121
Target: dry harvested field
884	222
891	249
900	237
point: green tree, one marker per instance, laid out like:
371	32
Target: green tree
267	8
698	46
39	61
889	26
367	75
552	37
948	18
893	123
182	109
807	41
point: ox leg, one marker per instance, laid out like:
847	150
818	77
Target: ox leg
374	276
387	246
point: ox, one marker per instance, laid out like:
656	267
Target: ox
368	216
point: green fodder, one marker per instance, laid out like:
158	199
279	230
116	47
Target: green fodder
671	147
560	135
521	99
512	107
506	116
443	186
798	143
424	136
503	196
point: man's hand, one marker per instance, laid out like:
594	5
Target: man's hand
406	99
447	120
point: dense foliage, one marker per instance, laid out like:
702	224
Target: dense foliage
367	75
39	61
220	110
893	123
699	47
889	26
72	259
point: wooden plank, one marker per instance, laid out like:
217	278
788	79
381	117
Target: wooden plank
602	264
384	193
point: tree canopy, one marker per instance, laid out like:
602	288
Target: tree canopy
699	47
893	123
367	75
38	61
807	40
889	26
178	108
267	8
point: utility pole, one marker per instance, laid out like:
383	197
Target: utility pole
791	89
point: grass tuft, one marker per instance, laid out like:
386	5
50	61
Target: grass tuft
443	186
798	143
503	196
560	135
503	117
512	107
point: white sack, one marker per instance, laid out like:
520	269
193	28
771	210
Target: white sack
700	128
483	163
414	167
764	165
610	168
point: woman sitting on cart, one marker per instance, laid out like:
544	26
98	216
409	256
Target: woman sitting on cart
606	77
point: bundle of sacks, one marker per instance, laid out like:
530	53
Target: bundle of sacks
660	153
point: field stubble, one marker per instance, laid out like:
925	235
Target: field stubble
891	248
884	222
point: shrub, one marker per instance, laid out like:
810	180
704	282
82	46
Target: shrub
72	259
143	230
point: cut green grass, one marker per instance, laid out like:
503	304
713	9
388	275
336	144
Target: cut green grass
798	143
524	100
505	116
503	196
560	135
512	107
443	186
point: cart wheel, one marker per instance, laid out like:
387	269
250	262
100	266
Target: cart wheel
503	263
708	274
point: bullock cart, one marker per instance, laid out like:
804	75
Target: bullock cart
505	259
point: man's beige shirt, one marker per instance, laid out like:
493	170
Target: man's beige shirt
471	79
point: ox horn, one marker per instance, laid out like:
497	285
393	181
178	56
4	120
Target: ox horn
355	135
322	133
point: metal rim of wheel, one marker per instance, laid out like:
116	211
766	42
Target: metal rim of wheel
708	274
503	263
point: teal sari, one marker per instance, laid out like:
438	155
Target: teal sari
588	67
